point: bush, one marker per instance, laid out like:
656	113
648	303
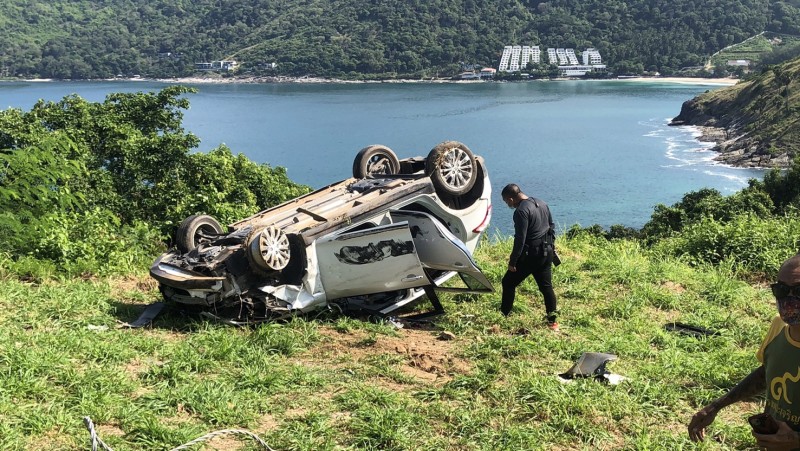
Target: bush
88	243
226	186
130	155
784	187
615	232
707	203
758	245
95	187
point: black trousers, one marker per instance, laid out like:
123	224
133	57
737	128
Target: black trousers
541	267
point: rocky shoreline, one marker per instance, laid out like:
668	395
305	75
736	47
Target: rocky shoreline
752	124
738	149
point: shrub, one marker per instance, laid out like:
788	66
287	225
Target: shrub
88	242
226	186
759	245
135	161
707	203
92	187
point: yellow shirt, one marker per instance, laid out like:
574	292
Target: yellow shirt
780	355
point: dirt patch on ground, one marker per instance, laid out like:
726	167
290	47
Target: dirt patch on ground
673	287
121	286
426	356
230	442
52	439
266	423
165	335
108	430
137	366
295	413
661	315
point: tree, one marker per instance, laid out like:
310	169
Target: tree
137	162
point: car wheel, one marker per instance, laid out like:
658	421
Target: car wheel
196	229
268	249
452	168
375	160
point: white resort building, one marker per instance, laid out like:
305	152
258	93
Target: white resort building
591	56
551	56
562	57
571	58
515	58
217	65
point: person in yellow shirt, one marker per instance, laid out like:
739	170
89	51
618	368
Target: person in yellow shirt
779	373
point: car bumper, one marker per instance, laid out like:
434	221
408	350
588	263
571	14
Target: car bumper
183	279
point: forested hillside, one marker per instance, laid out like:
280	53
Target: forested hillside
351	38
758	117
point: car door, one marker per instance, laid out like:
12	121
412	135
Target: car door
439	249
369	261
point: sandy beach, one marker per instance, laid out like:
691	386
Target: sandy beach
683	80
284	79
201	80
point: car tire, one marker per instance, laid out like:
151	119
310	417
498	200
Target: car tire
196	229
375	160
268	249
452	168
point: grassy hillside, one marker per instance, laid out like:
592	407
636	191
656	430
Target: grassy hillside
350	38
760	115
766	48
343	383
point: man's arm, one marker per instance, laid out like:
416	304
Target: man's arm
752	385
520	234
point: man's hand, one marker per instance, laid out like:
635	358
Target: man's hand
701	420
512	268
784	439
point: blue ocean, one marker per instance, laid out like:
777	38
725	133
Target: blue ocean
599	152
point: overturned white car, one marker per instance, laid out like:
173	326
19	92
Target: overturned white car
375	242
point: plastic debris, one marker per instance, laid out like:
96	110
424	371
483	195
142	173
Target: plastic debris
593	364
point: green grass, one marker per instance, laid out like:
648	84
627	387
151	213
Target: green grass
343	383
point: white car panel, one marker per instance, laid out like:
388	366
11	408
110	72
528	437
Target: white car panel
349	261
437	248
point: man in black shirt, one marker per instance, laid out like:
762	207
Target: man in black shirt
533	250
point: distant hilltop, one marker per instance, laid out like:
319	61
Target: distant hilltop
357	40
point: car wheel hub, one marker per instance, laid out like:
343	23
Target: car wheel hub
456	168
271	247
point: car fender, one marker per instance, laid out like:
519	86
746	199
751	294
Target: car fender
307	296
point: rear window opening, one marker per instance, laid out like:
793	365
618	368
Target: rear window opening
364	226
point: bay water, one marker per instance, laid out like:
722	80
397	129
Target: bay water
599	152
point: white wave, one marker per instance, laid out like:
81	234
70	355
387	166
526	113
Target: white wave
652	123
738	178
683	146
685	152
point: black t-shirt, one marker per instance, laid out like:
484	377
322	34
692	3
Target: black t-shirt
532	221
